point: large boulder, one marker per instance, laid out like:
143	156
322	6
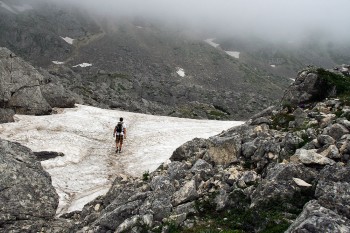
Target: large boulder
333	189
309	86
316	218
281	185
20	85
55	93
26	191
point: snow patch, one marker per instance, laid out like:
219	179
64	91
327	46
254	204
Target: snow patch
68	40
139	27
180	72
90	164
7	7
58	62
273	66
212	43
83	65
23	7
293	79
234	54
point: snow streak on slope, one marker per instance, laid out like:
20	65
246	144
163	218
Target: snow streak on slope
4	5
234	54
68	39
23	7
212	43
83	65
85	136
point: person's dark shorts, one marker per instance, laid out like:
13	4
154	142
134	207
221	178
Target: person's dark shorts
119	138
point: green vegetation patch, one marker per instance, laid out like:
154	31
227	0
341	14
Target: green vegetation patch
216	115
281	120
118	75
222	109
272	217
340	82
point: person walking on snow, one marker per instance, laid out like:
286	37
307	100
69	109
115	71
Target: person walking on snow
119	134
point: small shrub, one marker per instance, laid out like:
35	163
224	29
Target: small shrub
222	109
281	120
340	82
145	176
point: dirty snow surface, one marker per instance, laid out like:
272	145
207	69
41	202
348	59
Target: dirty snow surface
85	135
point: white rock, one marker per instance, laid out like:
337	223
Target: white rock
311	157
300	182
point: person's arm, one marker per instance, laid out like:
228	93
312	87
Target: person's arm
124	133
115	130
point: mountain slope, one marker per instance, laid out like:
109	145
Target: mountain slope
135	66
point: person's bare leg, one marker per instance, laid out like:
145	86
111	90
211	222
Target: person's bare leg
120	147
116	145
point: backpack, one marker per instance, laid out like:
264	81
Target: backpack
119	127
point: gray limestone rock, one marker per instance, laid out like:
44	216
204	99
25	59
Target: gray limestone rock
26	192
333	189
177	170
300	117
261	120
20	85
331	152
6	115
279	184
248	149
203	169
187	208
57	96
325	139
312	157
112	219
188	192
316	218
336	131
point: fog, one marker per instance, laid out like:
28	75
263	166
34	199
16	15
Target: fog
279	19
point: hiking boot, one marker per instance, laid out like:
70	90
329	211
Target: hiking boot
116	150
120	151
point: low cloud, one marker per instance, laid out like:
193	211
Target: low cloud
269	18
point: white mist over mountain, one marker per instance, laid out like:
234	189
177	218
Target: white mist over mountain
278	19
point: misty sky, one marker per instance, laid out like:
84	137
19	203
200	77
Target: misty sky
266	17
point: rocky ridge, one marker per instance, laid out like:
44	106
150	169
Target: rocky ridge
286	169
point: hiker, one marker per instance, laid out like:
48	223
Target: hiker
119	134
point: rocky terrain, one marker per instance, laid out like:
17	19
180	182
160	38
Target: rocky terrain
284	170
